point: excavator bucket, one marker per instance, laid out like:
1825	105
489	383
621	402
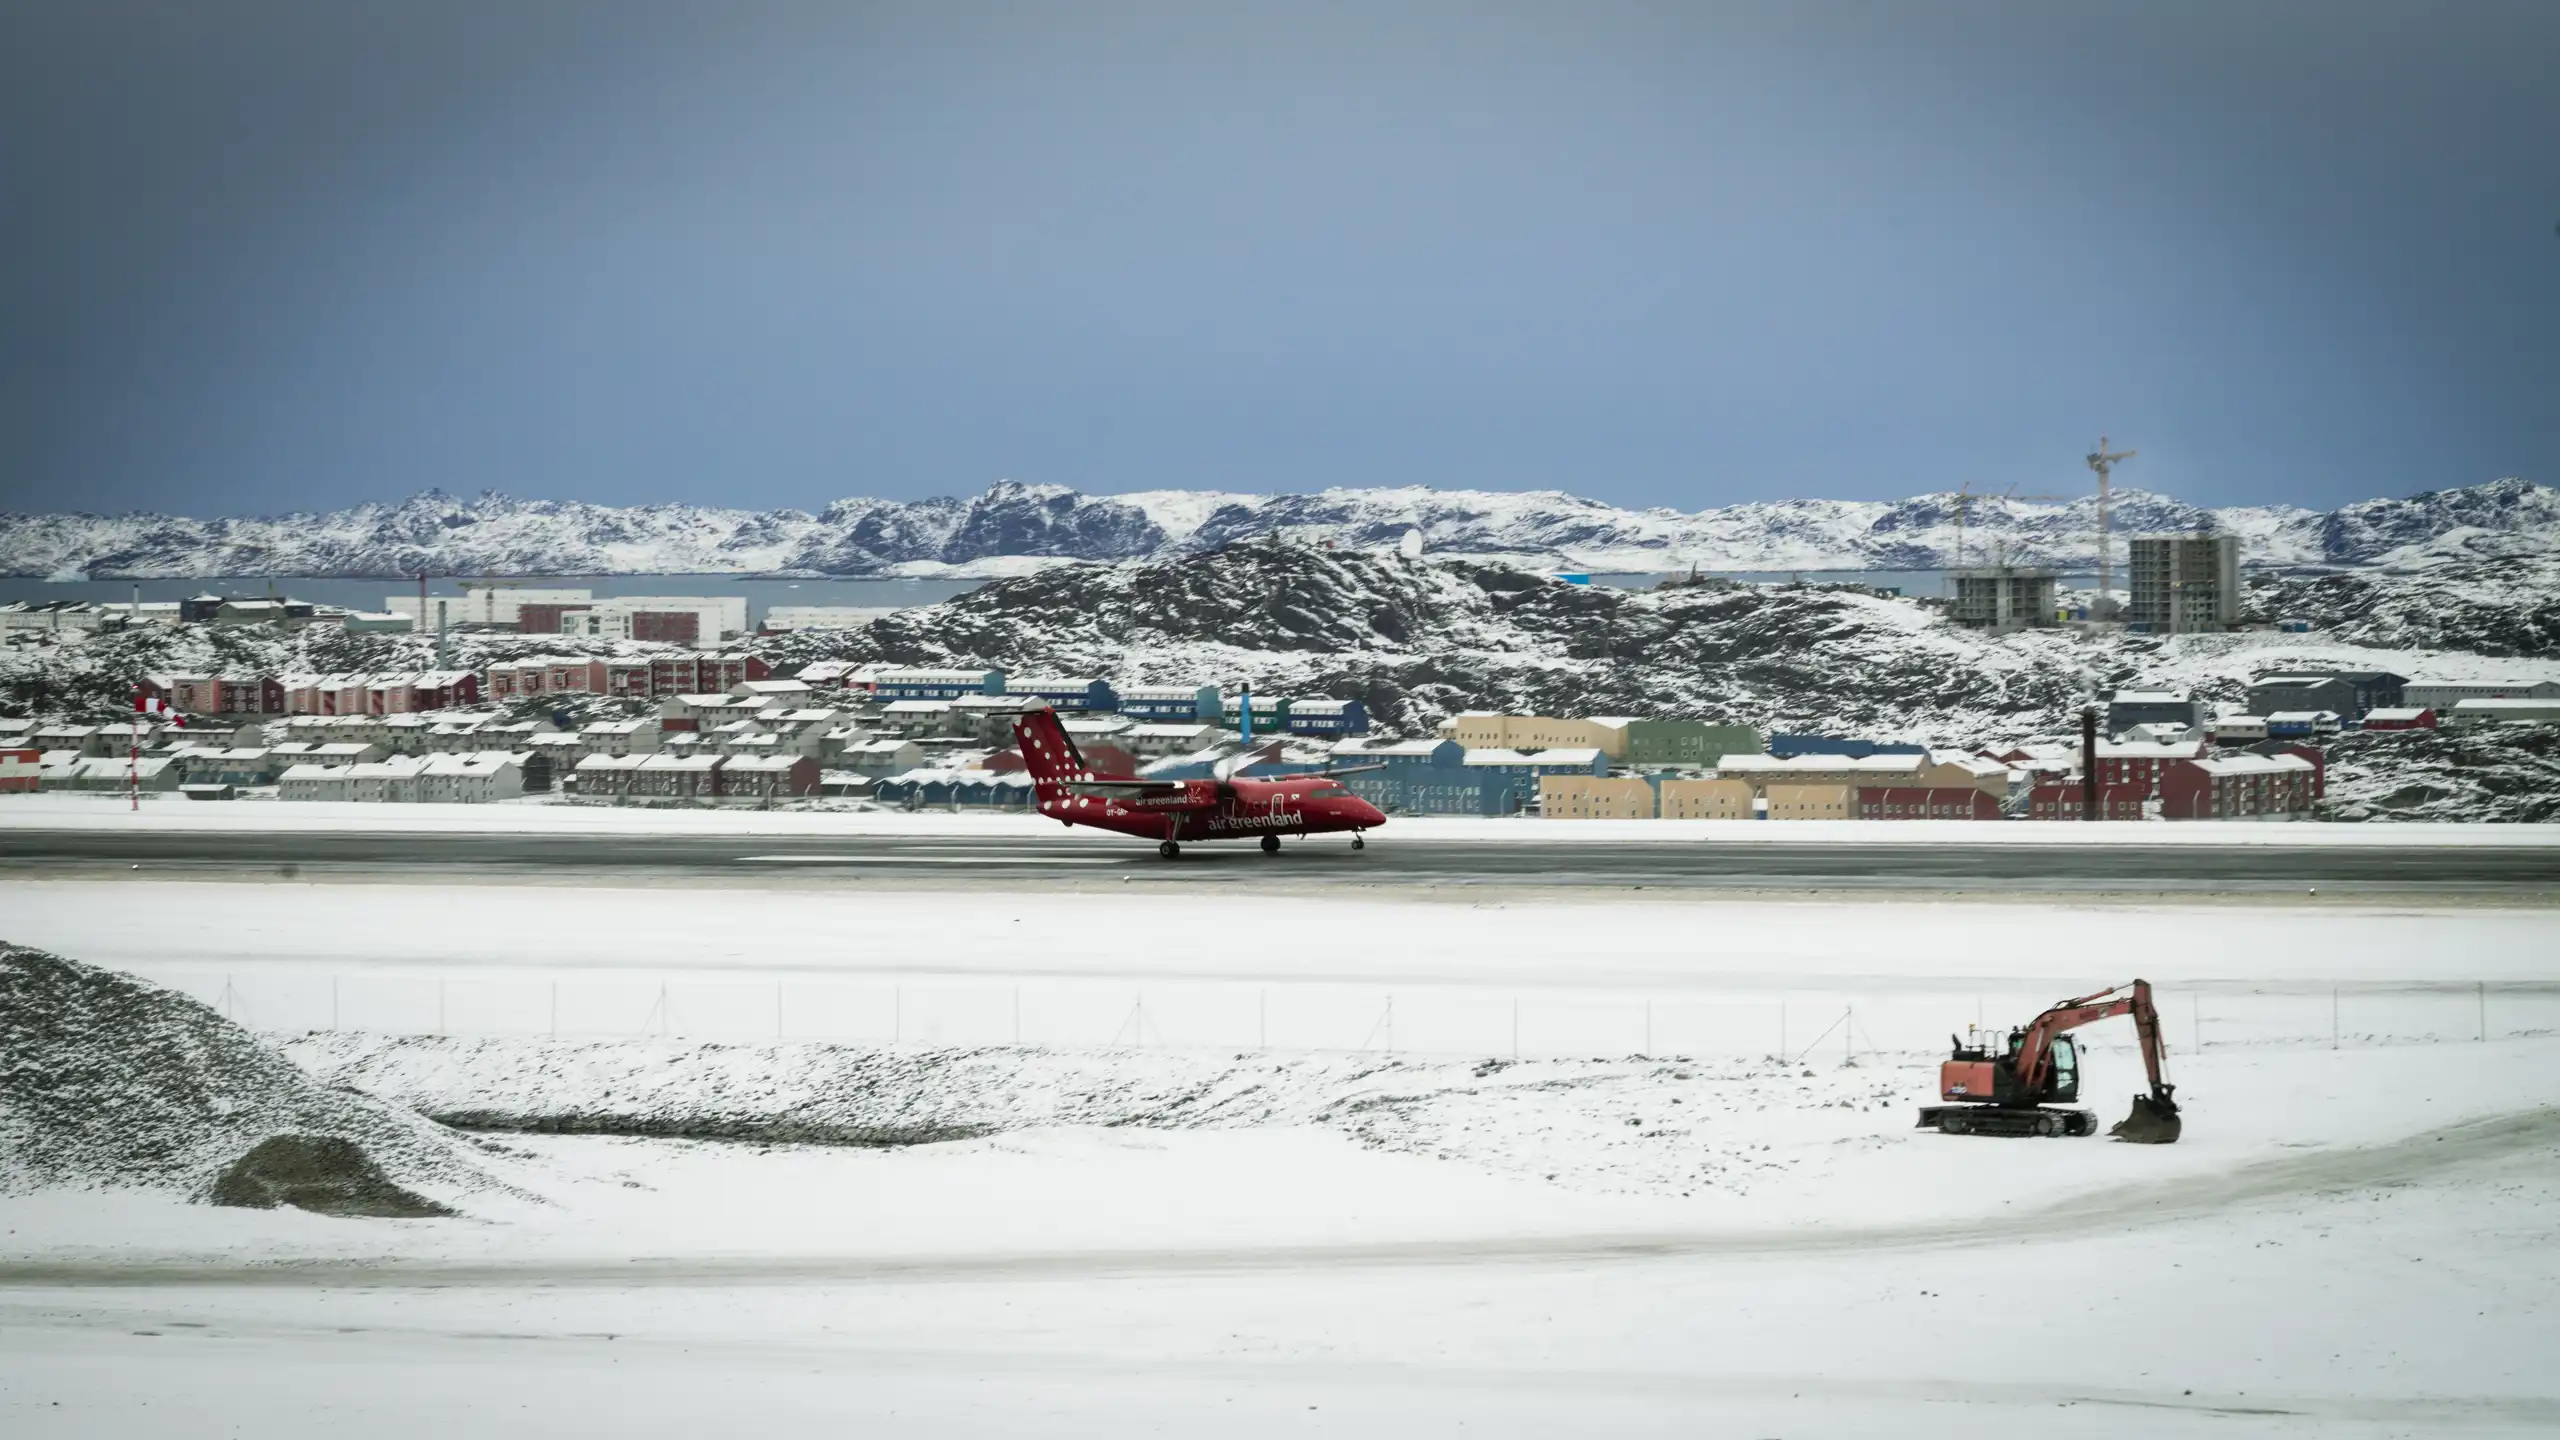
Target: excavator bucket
2153	1122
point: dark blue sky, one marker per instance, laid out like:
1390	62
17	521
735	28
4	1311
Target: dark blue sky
266	256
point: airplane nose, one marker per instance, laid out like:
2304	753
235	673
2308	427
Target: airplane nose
1370	815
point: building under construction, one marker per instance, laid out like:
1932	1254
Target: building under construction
2184	584
2004	597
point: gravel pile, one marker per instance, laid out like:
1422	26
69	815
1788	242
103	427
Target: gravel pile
107	1081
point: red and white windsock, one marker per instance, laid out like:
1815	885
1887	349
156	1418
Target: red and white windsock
158	708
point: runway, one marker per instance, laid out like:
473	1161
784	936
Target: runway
2509	871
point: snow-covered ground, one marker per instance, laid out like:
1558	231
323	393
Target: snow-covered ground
1189	1234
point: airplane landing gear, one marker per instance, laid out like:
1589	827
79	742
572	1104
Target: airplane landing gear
1270	844
1168	850
1359	844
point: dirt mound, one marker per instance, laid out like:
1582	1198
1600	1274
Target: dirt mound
110	1081
325	1173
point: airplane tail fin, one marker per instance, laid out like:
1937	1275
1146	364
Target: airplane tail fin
1049	752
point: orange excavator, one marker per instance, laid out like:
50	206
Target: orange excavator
2014	1090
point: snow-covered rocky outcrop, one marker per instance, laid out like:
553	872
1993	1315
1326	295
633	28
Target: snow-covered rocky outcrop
1014	527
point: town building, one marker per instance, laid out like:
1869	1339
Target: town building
1172	704
2237	727
2405	717
2183	584
1421	777
1516	776
766	778
1062	692
1694	799
2062	800
1673	742
2469	714
912	684
2004	597
19	770
607	776
2442	695
1595	797
392	780
778	618
2348	692
1925	802
1493	730
620	737
2128	708
2303	724
2139	763
1156	740
479	778
1328	719
313	781
1809	802
2237	787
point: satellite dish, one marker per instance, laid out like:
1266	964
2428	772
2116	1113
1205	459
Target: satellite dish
1410	547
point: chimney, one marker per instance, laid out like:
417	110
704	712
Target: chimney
2089	762
440	633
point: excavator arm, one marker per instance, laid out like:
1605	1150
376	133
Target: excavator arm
2155	1116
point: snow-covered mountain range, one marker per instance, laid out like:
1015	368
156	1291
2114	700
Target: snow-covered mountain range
1014	528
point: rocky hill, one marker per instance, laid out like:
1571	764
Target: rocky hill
1417	640
1014	527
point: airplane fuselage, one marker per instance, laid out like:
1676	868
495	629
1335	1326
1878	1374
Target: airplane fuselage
1191	810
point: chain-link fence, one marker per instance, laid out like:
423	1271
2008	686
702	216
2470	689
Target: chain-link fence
1810	1022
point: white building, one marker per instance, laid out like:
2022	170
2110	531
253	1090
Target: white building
2469	713
824	617
473	779
2442	695
313	782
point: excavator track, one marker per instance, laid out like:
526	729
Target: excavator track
2007	1120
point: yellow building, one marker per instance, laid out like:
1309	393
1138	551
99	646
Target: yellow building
1487	730
1706	800
1812	802
1593	797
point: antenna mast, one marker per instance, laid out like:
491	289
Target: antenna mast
2104	461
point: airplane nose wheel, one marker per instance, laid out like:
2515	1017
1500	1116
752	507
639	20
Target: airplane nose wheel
1270	844
1168	850
1359	844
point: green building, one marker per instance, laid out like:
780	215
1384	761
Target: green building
1686	742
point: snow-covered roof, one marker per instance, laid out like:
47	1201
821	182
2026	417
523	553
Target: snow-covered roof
2509	706
2149	697
1821	764
474	765
2314	717
2252	764
677	760
2400	712
1160	692
763	764
1167	730
2149	749
309	771
917	707
592	763
1388	747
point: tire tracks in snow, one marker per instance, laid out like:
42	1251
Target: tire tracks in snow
2163	1202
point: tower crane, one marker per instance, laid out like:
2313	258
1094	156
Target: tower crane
2104	461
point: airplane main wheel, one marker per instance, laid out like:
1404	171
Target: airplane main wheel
1359	844
1270	844
1168	850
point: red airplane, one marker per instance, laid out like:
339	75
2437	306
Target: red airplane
1172	811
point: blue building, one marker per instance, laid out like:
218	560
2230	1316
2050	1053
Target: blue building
1787	747
936	684
1515	775
966	789
1431	777
1270	713
1172	704
1328	719
1065	693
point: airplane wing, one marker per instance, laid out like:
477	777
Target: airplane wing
1105	789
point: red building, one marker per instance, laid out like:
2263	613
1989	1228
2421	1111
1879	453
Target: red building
2238	787
2062	802
19	770
2402	719
2140	762
1926	802
631	678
